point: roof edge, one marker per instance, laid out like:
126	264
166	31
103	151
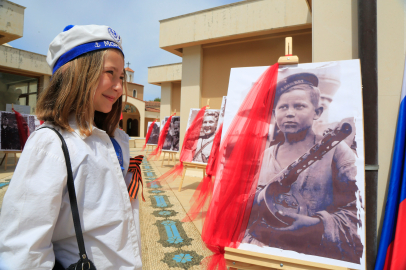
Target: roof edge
209	9
166	65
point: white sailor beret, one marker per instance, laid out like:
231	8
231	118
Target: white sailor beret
76	40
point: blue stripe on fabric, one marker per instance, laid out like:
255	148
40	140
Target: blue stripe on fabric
82	49
396	190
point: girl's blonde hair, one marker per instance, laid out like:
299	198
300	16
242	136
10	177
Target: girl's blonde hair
72	90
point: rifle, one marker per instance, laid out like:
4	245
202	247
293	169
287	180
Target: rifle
278	195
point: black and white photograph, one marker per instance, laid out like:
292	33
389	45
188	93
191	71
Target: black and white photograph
207	133
10	139
172	137
153	138
309	199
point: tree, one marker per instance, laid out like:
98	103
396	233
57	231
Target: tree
157	99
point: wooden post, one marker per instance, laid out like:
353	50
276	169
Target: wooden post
163	158
288	59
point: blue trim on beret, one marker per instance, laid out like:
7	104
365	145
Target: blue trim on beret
68	27
84	48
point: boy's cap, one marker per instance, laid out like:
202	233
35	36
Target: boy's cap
295	79
76	40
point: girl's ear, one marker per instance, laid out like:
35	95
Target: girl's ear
318	111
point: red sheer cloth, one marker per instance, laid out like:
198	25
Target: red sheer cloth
23	130
237	178
189	146
158	150
202	195
151	127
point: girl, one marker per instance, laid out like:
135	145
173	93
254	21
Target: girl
83	102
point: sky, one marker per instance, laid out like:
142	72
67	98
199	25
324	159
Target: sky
137	22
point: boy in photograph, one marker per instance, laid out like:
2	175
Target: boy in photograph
322	218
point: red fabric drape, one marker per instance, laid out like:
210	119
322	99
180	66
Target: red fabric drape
151	127
237	178
202	195
189	145
23	130
158	150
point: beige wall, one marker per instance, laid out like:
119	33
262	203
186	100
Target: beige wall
165	73
229	22
218	60
335	30
11	21
166	99
391	60
23	61
138	87
191	84
175	101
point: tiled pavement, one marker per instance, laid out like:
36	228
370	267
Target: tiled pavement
167	243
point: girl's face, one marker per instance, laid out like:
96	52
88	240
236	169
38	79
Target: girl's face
209	125
110	86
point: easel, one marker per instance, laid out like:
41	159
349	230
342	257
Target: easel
191	164
171	156
248	260
187	165
150	146
6	156
242	259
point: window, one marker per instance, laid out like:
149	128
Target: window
18	89
134	93
130	108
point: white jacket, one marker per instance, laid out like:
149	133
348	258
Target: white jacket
36	220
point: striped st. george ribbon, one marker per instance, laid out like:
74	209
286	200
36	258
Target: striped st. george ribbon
136	180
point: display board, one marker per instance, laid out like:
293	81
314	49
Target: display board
153	138
9	138
222	110
207	132
316	135
172	137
